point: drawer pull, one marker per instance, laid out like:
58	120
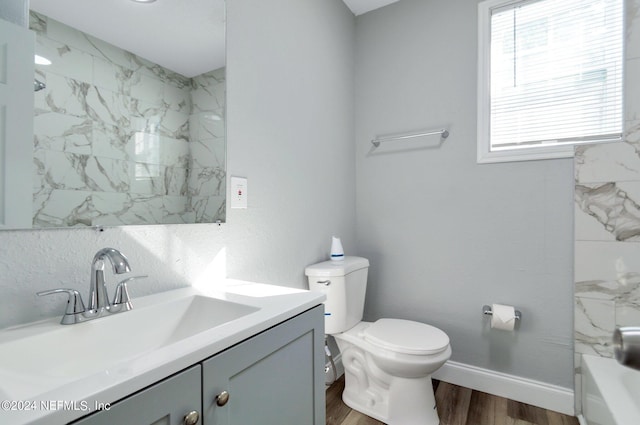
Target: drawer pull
222	398
191	418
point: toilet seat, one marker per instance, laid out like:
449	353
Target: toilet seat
406	337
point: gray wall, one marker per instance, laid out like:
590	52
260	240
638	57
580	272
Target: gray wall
16	11
290	131
446	235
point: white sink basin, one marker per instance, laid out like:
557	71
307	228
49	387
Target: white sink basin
37	358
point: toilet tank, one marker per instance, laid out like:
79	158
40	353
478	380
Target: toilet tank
345	284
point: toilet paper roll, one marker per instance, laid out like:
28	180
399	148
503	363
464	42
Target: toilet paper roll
504	317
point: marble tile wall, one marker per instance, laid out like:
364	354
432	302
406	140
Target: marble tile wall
607	222
208	146
113	133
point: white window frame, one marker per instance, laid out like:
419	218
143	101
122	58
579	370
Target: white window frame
485	154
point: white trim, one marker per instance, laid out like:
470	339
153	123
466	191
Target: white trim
484	88
486	156
547	396
582	420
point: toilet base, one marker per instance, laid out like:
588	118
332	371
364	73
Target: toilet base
405	402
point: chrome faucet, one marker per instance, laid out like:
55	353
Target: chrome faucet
626	346
98	297
99	304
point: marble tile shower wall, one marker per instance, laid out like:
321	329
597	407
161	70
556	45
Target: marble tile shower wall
113	136
607	223
607	219
207	169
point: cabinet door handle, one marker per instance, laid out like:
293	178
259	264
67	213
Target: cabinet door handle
222	398
191	418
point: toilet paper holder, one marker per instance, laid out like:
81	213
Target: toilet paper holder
486	309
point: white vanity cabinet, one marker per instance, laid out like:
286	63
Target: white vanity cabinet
273	378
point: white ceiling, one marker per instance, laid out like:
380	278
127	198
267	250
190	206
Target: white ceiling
358	7
184	36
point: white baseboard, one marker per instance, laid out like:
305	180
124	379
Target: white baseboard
536	393
547	396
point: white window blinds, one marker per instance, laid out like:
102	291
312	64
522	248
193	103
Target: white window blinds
555	73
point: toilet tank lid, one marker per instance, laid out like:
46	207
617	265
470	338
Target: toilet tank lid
337	268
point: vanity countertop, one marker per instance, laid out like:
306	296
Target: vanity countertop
53	398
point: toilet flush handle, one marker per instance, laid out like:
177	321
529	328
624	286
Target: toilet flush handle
324	282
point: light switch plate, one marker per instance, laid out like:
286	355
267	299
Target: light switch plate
238	192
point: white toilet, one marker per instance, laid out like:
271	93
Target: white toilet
388	363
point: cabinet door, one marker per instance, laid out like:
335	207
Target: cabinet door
274	378
165	403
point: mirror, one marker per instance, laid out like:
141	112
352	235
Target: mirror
129	127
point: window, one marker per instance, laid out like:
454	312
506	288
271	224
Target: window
549	77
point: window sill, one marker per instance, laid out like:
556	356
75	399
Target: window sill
530	154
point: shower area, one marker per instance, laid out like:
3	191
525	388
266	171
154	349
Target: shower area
121	140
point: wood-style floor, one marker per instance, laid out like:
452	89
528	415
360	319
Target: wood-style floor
456	406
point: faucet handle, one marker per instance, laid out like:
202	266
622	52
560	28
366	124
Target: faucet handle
122	293
75	306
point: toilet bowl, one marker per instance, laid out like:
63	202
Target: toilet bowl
388	363
392	385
